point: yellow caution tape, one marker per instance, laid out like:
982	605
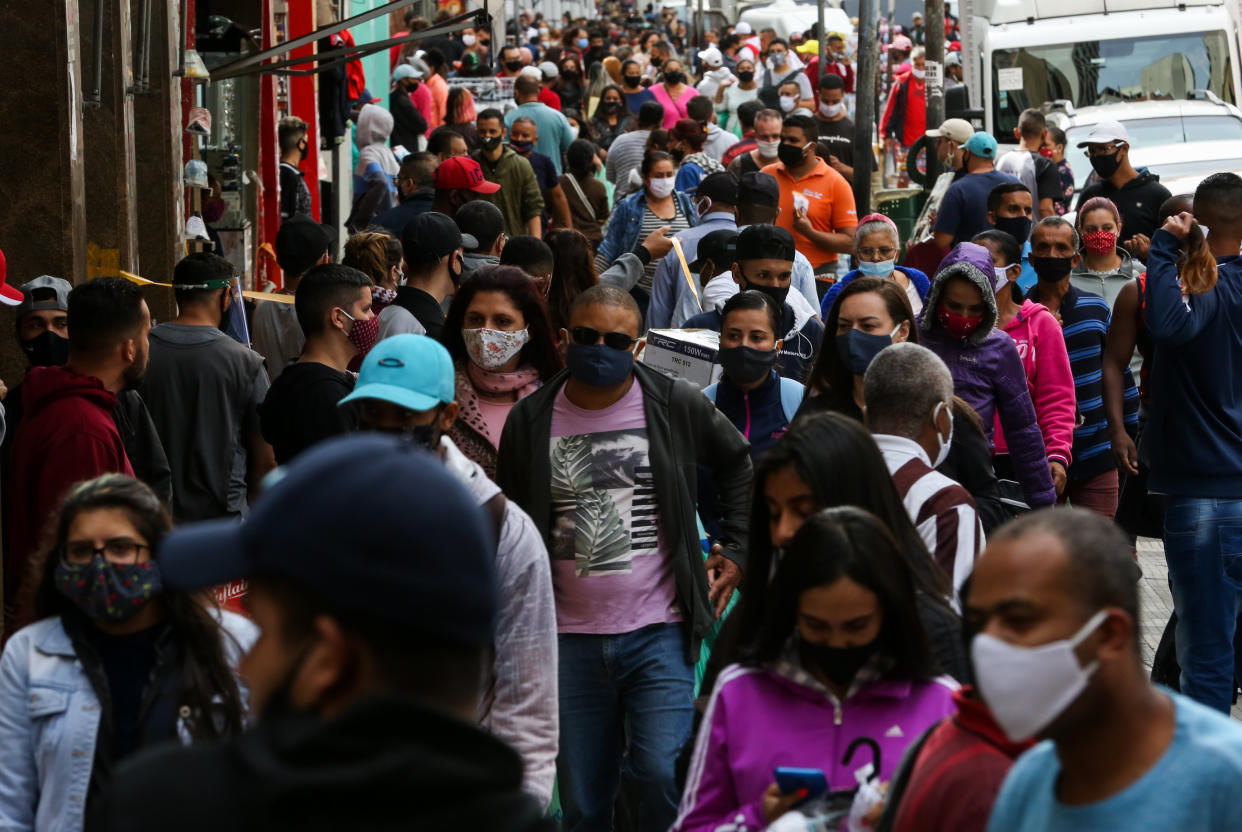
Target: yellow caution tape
271	296
685	270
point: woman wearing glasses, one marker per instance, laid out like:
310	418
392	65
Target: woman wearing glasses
115	662
876	246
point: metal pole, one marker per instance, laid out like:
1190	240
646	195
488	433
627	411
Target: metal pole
699	30
868	60
97	91
933	41
823	53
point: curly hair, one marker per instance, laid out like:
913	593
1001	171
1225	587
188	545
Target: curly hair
540	352
373	252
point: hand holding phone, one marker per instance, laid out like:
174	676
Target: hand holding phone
791	780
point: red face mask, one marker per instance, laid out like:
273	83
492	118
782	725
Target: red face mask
1099	242
1046	152
957	325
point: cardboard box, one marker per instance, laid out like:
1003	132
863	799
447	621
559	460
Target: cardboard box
684	353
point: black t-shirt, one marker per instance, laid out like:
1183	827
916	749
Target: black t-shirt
1138	201
1047	178
838	137
127	661
423	307
301	408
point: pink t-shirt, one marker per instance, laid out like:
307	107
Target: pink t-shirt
494	415
611	570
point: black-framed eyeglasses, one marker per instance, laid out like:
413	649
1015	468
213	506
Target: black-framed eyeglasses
587	336
116	549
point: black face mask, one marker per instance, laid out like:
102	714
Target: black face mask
611	106
746	76
1106	166
1019	227
633	81
674	78
513	66
489	143
46	350
678	154
746	365
839	664
790	154
279	703
776	293
304	150
1051	269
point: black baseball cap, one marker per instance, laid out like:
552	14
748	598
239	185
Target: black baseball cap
759	188
300	243
720	188
481	223
764	242
418	552
430	236
717	246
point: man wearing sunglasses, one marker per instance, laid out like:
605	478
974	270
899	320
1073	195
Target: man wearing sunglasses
603	458
1137	194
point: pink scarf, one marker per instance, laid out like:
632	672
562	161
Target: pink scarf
524	380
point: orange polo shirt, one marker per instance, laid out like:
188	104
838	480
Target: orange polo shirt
830	201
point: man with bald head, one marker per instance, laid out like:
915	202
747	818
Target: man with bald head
1055	611
603	458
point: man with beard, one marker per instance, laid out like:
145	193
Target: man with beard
68	433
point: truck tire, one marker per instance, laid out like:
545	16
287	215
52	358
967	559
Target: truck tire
912	157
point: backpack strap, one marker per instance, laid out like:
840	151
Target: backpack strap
495	508
901	779
792	394
710	392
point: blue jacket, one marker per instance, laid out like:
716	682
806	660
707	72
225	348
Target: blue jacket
1193	437
920	281
669	279
49	722
761	415
627	220
797	353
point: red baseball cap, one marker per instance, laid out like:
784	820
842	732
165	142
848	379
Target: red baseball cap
9	295
462	172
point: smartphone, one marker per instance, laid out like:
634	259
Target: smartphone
791	780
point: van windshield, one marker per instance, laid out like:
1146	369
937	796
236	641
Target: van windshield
1091	72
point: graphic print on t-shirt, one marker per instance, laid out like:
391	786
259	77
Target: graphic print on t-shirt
603	501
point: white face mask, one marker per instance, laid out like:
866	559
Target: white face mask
830	110
788	104
492	348
660	188
945	444
1002	278
918	73
768	150
1028	687
468	40
573	130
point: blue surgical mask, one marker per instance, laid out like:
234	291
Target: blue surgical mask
882	269
598	365
583	43
857	348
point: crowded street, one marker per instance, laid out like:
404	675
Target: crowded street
612	416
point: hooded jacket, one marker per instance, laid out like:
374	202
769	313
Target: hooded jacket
759	718
802	337
375	189
67	435
1041	347
385	764
987	372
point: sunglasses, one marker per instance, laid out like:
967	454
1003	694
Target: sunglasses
586	336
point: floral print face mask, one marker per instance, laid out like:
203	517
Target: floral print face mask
491	349
108	591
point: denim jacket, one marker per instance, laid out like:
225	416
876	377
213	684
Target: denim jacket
49	723
627	220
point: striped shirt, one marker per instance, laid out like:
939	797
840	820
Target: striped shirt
625	155
942	511
1084	322
649	224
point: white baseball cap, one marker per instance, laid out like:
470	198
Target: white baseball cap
711	57
742	28
548	70
1104	132
957	129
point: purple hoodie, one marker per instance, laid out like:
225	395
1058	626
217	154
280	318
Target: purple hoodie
987	372
759	719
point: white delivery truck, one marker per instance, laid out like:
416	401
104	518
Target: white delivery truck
1022	53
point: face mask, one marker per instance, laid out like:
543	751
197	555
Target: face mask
959	326
583	43
303	151
918	73
363	334
468	40
46	350
1046	152
660	188
746	365
769	150
1051	269
632	81
882	269
1099	242
703	206
788	104
778	60
943	453
1002	278
830	110
791	155
598	365
1029	687
611	106
573	130
513	66
776	293
523	148
108	591
213	211
489	143
746	76
678	153
674	78
1106	166
1019	227
839	664
857	349
491	349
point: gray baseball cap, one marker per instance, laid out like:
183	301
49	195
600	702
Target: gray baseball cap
55	294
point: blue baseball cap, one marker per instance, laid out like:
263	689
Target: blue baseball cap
420	553
411	371
982	144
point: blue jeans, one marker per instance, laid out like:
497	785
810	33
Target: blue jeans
1203	547
632	687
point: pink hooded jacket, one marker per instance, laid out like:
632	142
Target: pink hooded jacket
1041	346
